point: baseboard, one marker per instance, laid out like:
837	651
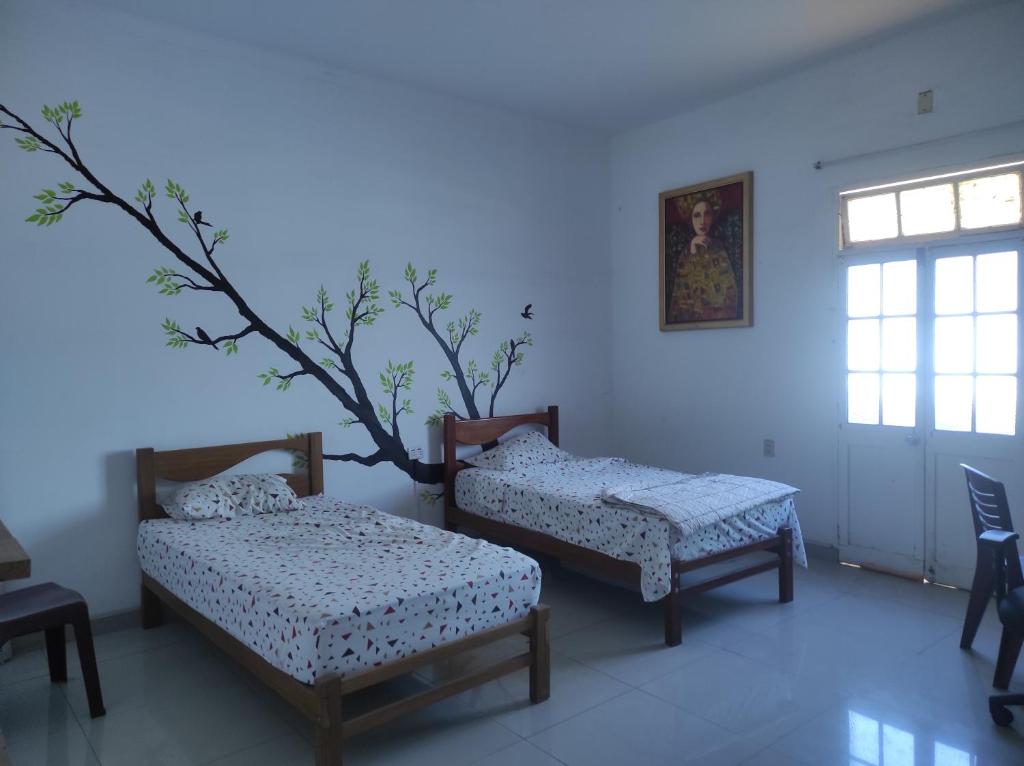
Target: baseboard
822	552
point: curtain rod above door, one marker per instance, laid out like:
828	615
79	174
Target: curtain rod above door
820	164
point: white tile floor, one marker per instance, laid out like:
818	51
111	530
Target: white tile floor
861	670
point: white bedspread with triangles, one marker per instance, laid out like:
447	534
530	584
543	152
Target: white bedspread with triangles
337	587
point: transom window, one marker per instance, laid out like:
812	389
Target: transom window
934	207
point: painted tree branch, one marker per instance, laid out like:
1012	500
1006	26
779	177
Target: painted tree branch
362	309
425	307
506	357
351	457
468	379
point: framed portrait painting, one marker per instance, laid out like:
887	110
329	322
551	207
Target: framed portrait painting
705	255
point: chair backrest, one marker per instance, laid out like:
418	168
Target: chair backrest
991	510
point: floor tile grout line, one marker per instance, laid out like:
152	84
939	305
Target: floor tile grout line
78	722
579	713
247	748
937	641
522	740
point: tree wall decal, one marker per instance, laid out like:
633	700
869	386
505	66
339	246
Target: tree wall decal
336	371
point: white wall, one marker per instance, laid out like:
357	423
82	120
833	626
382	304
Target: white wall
312	171
704	400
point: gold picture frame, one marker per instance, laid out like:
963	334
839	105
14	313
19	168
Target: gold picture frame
705	255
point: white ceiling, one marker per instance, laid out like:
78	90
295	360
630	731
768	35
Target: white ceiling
600	64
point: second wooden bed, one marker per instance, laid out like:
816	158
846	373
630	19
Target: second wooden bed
486	431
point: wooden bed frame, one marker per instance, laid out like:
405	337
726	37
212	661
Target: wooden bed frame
487	430
322	702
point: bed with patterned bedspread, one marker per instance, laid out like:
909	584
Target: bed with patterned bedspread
337	587
568	499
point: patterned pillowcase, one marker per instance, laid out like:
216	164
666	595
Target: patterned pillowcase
225	497
262	493
522	452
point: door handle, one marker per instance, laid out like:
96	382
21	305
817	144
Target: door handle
913	440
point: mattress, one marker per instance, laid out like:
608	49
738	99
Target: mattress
563	500
335	587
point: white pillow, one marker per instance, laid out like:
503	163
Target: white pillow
225	497
522	452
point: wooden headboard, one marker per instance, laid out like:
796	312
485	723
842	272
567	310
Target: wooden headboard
203	462
485	431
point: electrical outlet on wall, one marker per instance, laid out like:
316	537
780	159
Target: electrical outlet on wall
769	448
415	453
925	101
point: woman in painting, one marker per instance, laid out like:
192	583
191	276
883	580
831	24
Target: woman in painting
704	287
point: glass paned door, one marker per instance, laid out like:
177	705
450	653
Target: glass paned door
974	392
932	358
881	457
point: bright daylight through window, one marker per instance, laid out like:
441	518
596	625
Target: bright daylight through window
970	316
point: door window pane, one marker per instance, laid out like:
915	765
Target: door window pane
899	287
978	341
880	342
872	218
863	393
863	290
954	344
954	395
927	210
899	399
996	405
990	201
899	344
997	281
997	343
954	285
862	344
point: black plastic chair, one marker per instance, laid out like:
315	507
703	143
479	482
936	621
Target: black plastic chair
990	510
48	608
1002	545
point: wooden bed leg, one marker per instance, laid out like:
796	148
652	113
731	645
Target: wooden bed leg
540	654
328	728
785	565
152	609
674	614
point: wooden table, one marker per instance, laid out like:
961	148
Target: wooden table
14	562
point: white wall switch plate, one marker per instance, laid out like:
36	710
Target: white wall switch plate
925	101
415	453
